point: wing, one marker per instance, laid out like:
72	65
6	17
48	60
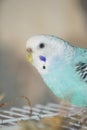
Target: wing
81	69
81	63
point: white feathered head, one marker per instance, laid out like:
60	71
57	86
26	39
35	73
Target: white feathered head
42	50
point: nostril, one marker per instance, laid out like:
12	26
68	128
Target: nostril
29	50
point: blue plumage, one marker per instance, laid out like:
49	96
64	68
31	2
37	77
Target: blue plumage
65	71
69	80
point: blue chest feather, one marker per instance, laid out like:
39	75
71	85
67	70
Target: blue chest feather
64	81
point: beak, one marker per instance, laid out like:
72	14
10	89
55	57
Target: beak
29	50
29	55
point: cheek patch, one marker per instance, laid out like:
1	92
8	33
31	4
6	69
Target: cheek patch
42	58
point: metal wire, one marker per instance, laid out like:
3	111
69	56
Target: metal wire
12	116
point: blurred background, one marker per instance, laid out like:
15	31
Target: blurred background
20	19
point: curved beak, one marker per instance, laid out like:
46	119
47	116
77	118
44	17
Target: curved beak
29	55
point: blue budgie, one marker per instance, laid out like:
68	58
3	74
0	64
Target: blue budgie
63	67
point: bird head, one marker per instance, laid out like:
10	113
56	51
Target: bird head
42	50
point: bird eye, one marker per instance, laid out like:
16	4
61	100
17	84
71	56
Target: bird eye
41	45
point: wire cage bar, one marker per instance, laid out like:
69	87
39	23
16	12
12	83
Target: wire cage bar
70	121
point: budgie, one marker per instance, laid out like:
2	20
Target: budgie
63	67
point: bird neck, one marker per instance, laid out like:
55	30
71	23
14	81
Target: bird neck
69	53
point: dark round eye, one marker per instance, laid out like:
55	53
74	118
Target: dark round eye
41	45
